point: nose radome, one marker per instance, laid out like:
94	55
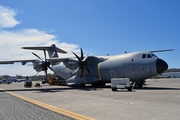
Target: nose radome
161	66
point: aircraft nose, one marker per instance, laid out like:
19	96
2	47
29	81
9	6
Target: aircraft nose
161	66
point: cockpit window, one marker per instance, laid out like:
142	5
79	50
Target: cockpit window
149	56
153	55
144	56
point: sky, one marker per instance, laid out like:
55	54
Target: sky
99	27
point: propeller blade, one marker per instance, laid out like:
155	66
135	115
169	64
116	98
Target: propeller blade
82	57
86	57
37	56
75	71
82	71
77	56
46	76
87	69
45	55
51	69
46	72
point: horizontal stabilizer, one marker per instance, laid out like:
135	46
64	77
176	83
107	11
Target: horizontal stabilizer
45	48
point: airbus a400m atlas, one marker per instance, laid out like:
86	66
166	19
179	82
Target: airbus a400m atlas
98	70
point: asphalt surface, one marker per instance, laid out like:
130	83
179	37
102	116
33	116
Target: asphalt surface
13	108
159	100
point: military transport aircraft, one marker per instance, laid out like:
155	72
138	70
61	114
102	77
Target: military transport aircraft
98	70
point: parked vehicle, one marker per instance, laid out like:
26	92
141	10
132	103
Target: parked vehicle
120	83
28	83
5	81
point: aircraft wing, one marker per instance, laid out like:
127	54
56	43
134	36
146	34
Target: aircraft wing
70	60
59	59
152	51
13	61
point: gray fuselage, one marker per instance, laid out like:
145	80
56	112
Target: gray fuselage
135	65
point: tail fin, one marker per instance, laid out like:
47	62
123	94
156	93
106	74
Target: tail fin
52	50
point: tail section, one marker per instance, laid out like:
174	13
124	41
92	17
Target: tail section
52	50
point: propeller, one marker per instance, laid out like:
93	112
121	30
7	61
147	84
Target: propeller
45	64
82	62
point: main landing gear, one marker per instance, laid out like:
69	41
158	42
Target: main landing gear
138	84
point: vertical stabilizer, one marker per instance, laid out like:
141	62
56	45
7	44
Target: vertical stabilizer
52	51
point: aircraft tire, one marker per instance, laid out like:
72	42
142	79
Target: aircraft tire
138	85
81	85
129	89
114	89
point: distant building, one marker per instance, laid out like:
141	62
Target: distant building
5	76
18	76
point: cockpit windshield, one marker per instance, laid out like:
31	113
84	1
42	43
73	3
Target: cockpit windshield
144	56
153	55
148	55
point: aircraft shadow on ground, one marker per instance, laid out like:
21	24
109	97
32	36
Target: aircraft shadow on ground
44	90
87	88
160	88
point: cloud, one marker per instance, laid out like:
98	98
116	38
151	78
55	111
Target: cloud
7	19
13	40
11	43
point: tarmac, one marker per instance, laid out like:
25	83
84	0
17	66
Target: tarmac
13	108
159	100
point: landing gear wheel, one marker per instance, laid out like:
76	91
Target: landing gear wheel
139	85
82	85
114	89
130	89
